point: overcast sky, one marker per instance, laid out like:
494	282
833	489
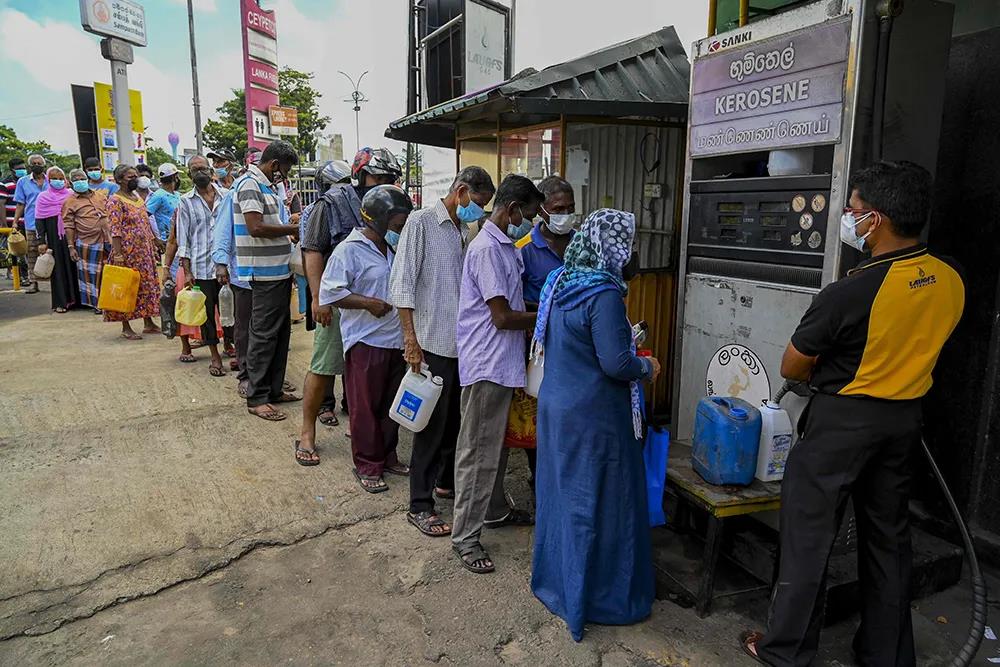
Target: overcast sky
45	50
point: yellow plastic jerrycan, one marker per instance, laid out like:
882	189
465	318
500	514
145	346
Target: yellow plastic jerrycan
190	308
119	289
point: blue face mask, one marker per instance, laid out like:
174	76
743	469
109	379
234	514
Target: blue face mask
57	183
94	175
518	231
81	187
472	212
392	239
221	173
20	172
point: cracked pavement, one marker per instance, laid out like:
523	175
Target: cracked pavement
149	520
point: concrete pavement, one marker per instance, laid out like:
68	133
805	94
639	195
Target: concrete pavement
149	520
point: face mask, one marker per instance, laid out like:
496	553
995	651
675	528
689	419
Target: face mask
144	182
57	183
631	268
472	212
37	169
561	224
282	191
519	231
201	178
94	175
221	173
392	239
131	184
81	187
848	223
20	172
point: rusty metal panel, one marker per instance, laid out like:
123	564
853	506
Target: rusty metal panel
651	298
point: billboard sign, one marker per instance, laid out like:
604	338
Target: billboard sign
779	92
284	121
260	70
487	44
124	19
107	124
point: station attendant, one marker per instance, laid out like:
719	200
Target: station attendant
867	346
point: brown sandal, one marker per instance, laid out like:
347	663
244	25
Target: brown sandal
270	415
305	457
287	398
748	642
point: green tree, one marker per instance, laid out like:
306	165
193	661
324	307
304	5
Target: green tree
13	147
155	156
228	131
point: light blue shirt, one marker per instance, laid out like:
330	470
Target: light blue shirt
26	192
111	188
224	242
162	205
357	266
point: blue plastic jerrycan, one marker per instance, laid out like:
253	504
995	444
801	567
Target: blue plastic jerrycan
726	439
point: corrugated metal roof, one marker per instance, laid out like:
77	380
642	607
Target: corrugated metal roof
647	77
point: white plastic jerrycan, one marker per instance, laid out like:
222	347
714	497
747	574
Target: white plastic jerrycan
775	442
415	401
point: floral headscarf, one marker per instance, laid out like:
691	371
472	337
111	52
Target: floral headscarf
593	264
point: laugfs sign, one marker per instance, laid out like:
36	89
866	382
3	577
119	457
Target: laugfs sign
260	72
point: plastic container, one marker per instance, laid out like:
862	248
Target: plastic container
535	371
726	440
45	265
168	301
775	442
416	399
119	289
227	306
190	308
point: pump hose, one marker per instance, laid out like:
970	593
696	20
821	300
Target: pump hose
975	637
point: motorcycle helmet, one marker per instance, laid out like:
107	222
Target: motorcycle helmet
377	162
383	202
336	171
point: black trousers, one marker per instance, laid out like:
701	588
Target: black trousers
859	448
210	329
432	462
243	307
270	332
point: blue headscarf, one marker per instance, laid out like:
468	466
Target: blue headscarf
593	264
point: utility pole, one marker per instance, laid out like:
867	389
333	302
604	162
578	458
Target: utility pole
120	54
358	98
194	80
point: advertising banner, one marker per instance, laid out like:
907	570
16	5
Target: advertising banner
284	120
260	70
783	91
486	44
124	19
107	123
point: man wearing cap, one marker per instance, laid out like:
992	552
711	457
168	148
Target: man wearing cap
163	202
95	176
224	166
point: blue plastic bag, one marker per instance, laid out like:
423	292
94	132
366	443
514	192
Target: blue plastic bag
654	456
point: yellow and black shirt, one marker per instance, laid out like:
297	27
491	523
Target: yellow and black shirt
878	331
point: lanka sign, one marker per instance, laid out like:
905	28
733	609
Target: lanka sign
260	70
123	19
783	91
106	125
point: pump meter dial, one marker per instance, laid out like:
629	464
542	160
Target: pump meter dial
818	203
796	239
799	203
815	240
806	221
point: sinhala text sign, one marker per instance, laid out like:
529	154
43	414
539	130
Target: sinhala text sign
124	19
783	91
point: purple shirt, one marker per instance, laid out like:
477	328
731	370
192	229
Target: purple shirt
492	268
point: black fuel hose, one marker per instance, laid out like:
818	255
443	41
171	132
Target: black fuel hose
975	637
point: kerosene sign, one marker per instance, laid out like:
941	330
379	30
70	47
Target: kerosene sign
784	91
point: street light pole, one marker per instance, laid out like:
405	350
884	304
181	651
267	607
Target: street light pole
357	97
194	80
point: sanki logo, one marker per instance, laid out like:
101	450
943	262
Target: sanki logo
732	40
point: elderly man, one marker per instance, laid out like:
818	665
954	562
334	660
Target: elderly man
25	193
224	165
424	285
195	222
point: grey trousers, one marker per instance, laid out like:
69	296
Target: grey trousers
477	457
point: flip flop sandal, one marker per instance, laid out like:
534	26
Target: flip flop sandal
243	388
472	555
230	353
308	459
444	494
515	517
370	484
98	311
153	330
269	415
195	344
751	637
330	421
234	365
425	521
187	359
60	310
400	469
216	371
287	398
287	386
131	336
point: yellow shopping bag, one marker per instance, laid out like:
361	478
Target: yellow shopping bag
521	421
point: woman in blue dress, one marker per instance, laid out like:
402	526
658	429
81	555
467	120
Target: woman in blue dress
592	559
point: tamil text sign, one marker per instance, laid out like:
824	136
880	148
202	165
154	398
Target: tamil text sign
284	120
260	70
783	91
124	19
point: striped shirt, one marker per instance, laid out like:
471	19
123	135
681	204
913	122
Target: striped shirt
195	223
259	258
427	276
493	268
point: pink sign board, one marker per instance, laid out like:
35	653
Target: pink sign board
260	79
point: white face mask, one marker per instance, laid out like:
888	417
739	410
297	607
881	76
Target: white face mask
848	223
561	224
144	182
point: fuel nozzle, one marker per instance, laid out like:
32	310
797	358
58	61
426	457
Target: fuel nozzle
797	387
